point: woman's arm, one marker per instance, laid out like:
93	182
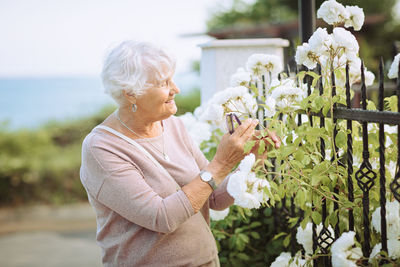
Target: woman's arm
230	151
121	187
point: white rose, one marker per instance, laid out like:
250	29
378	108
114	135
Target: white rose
270	104
243	185
247	163
394	68
218	215
199	131
343	253
284	258
320	41
392	219
332	12
261	64
304	236
356	17
240	78
287	94
305	56
393	249
346	40
369	78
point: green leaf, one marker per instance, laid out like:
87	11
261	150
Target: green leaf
316	216
299	155
261	147
241	212
325	188
306	160
333	219
297	164
278	235
248	146
238	230
303	223
391	103
286	241
317	104
341	139
240	245
301	75
268	163
255	224
370	105
326	108
244	237
300	197
255	235
243	256
315	179
287	150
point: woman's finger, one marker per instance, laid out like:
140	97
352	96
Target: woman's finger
249	132
239	131
274	138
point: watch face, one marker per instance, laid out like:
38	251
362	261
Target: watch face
206	176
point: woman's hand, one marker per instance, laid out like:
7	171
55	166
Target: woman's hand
230	150
272	136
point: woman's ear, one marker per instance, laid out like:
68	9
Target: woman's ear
129	97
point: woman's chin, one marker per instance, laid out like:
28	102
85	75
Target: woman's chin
169	112
172	107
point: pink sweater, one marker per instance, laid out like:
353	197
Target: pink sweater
142	219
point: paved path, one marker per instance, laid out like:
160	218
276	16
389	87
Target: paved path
43	236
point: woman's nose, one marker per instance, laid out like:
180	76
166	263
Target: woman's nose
175	88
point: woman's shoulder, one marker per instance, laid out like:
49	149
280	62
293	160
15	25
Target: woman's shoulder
98	139
109	151
95	137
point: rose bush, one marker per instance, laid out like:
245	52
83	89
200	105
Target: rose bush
298	170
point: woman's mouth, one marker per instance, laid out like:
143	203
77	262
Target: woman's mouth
170	101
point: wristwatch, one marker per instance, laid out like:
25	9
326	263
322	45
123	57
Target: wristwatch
205	176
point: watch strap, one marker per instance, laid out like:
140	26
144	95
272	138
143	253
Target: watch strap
211	182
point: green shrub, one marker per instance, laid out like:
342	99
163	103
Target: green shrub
42	165
247	237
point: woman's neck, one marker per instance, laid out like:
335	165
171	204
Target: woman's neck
138	123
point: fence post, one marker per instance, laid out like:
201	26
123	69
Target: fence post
221	58
306	19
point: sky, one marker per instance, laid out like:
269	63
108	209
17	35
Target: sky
61	38
64	38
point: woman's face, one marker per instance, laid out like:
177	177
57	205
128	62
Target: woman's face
157	103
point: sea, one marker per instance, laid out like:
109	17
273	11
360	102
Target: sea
32	102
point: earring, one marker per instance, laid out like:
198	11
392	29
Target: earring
134	107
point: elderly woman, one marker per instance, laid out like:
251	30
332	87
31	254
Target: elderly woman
149	184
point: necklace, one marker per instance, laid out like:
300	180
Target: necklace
162	138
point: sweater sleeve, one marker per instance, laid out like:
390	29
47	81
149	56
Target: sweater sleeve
125	191
220	198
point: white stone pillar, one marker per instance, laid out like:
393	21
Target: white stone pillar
221	58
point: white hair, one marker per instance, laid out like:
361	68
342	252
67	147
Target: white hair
134	67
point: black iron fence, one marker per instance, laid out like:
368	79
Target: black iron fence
365	177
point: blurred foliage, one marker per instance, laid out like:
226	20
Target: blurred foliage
281	11
195	66
42	165
187	102
249	237
375	40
